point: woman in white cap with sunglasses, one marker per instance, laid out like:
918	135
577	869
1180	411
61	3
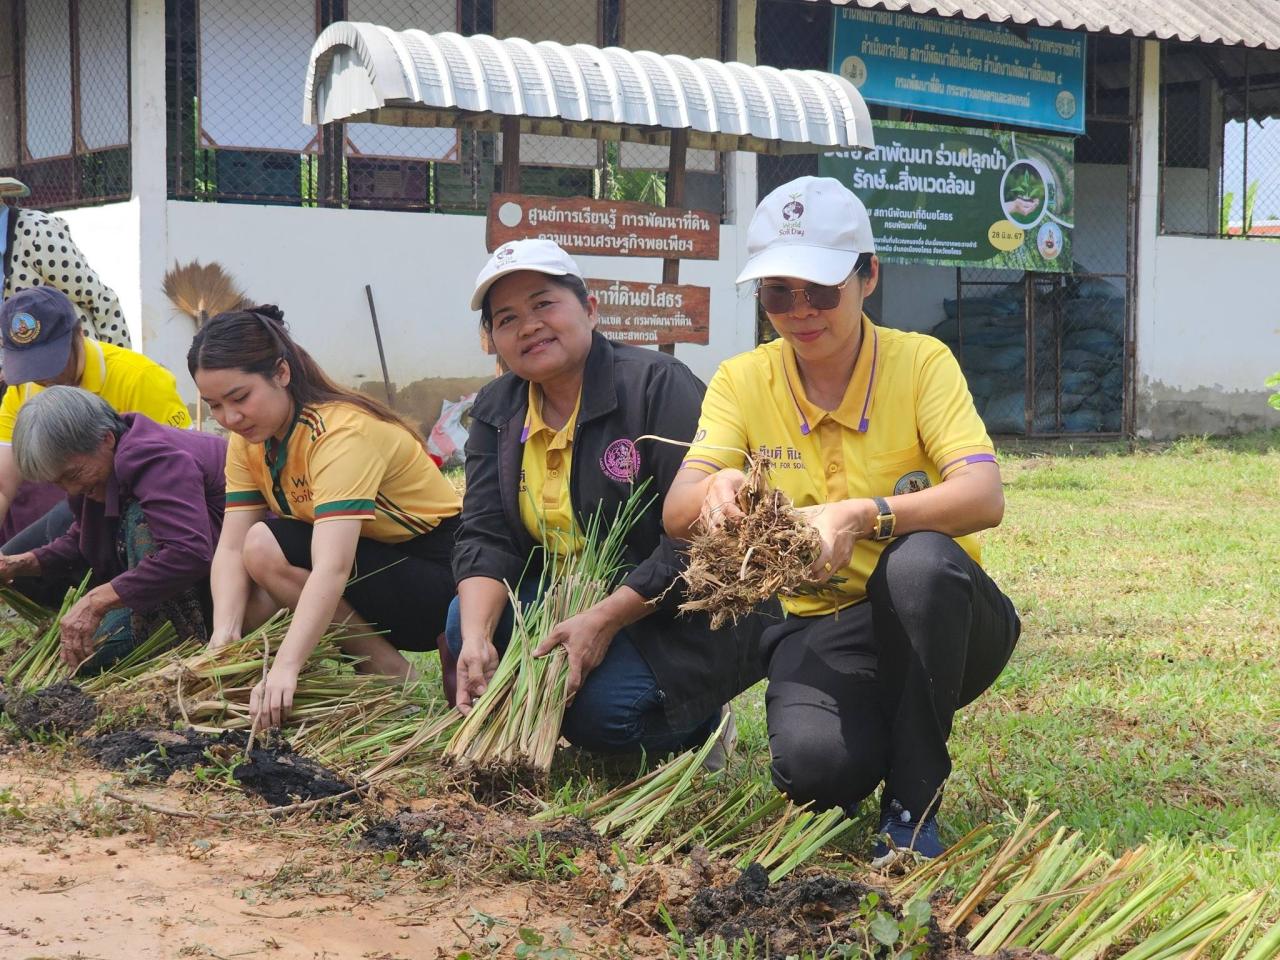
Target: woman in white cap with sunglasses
553	443
882	447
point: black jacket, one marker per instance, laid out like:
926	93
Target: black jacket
627	393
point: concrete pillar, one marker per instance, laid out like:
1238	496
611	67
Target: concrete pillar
1148	231
150	182
740	186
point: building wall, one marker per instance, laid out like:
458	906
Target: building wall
1212	338
1208	319
315	263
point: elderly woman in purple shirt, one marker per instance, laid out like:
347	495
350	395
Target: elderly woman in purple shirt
148	501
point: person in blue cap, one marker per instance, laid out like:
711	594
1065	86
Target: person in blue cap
43	345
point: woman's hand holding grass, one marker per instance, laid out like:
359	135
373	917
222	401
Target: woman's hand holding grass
586	636
272	698
840	526
223	637
721	498
477	663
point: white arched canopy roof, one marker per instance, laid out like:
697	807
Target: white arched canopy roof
364	73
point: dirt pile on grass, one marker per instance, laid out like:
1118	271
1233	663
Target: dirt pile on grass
746	560
271	771
282	777
807	913
412	835
62	708
163	752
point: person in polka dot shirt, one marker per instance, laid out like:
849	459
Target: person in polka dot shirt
37	250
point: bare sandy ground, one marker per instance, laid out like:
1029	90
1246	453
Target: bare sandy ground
84	877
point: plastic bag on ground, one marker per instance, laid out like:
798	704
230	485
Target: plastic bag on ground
448	438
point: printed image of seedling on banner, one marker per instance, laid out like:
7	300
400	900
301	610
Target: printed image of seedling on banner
964	197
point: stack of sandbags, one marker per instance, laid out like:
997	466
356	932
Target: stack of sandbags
988	335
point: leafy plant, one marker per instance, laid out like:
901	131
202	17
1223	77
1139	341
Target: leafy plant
1025	186
1274	399
535	946
877	933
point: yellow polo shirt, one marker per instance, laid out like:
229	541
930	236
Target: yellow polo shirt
336	463
906	421
545	508
130	382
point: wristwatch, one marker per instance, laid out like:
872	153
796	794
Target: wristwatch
882	528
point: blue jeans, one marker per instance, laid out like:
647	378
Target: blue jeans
618	709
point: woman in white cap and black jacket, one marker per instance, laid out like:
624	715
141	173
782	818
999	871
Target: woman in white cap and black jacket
882	446
551	442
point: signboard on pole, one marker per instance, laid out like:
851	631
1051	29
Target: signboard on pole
964	197
964	68
609	228
649	313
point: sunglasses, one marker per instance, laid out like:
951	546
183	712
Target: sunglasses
779	298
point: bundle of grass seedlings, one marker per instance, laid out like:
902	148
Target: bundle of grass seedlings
744	561
633	811
30	647
513	729
1053	894
340	717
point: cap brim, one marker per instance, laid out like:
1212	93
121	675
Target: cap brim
9	187
814	264
36	363
477	298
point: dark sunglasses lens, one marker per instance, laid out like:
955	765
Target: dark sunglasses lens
775	298
823	298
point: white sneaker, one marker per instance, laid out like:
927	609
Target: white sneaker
725	744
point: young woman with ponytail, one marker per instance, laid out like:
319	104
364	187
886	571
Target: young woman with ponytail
363	523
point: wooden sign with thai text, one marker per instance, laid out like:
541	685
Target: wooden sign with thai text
606	228
647	313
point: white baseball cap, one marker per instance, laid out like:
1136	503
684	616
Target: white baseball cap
543	256
813	228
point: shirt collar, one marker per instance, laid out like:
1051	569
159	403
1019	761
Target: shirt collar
855	409
534	424
95	367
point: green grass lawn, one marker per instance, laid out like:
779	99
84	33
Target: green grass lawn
1143	701
1144	697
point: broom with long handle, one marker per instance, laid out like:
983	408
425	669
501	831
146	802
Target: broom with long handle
202	291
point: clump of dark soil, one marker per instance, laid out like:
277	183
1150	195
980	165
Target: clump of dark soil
162	752
804	913
281	777
407	833
60	708
574	834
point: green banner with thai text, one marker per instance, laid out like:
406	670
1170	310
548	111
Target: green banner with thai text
964	197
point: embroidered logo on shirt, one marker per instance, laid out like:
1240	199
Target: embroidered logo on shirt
24	328
913	482
621	461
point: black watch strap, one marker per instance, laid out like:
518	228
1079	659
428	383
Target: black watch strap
885	520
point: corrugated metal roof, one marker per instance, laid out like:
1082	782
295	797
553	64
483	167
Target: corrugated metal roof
361	72
1250	23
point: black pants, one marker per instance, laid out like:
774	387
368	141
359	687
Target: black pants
50	589
868	694
402	589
